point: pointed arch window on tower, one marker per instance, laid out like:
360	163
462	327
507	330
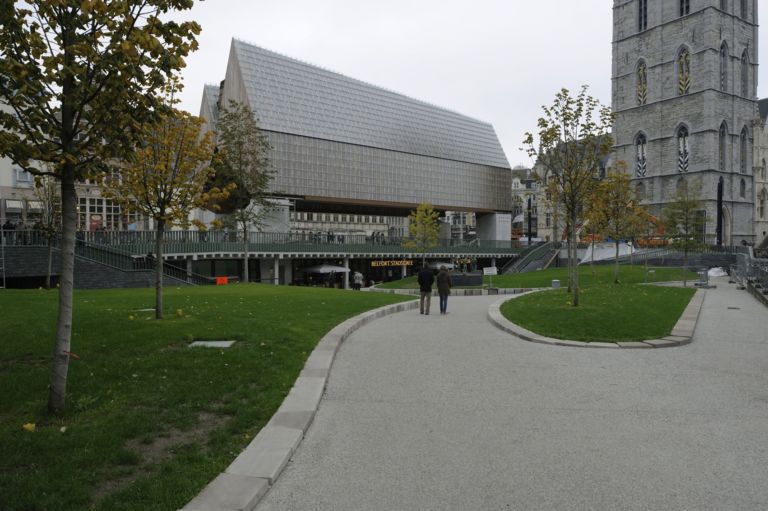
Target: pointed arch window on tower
641	162
721	146
685	7
642	15
724	67
682	149
743	156
642	83
742	189
724	5
745	74
761	203
744	9
683	72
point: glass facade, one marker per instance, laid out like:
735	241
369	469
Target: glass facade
313	167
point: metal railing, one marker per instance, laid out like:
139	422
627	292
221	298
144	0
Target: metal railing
749	270
104	254
196	242
540	252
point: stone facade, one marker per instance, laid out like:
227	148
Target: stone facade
761	177
684	93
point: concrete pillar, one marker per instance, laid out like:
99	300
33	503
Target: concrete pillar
403	271
288	270
493	261
189	268
346	274
276	271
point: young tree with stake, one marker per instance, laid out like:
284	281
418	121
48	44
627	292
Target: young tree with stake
81	79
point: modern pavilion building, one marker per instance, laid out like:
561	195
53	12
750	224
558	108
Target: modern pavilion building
342	148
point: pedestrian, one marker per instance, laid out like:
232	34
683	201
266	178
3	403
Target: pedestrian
443	288
357	280
426	278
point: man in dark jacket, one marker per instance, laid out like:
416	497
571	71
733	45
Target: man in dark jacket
426	278
443	288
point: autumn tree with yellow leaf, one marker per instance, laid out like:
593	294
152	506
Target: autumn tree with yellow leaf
165	180
572	141
615	210
81	79
423	230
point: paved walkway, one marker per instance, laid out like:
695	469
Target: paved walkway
449	413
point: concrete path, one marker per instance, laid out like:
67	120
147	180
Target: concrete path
450	413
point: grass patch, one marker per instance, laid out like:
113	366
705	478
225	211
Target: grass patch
603	274
149	421
613	313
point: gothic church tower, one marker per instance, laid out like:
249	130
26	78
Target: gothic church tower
684	93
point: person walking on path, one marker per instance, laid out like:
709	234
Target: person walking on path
358	281
426	278
443	288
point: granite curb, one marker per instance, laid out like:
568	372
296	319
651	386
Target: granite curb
250	475
457	292
681	334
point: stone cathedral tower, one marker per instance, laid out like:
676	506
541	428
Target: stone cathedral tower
684	93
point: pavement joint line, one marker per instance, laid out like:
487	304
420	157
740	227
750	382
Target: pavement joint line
682	332
248	478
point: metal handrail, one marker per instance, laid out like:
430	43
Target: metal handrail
184	242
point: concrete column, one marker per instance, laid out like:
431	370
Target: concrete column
346	274
288	265
276	271
189	268
403	271
493	261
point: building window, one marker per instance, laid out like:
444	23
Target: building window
642	83
685	7
744	10
761	203
724	67
743	156
683	72
742	189
682	149
548	220
724	5
745	74
762	170
641	162
721	146
22	178
642	15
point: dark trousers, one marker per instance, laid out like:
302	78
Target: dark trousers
443	303
424	300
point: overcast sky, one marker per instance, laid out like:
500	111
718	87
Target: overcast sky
495	60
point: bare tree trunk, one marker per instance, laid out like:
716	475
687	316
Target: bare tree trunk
246	277
616	264
50	264
58	383
574	263
160	231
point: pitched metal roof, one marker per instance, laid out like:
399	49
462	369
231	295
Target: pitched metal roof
211	95
291	96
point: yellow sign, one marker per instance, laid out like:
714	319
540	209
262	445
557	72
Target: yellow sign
379	264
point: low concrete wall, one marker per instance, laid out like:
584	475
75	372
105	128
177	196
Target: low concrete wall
32	262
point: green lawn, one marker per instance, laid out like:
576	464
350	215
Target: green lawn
149	421
607	312
543	278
